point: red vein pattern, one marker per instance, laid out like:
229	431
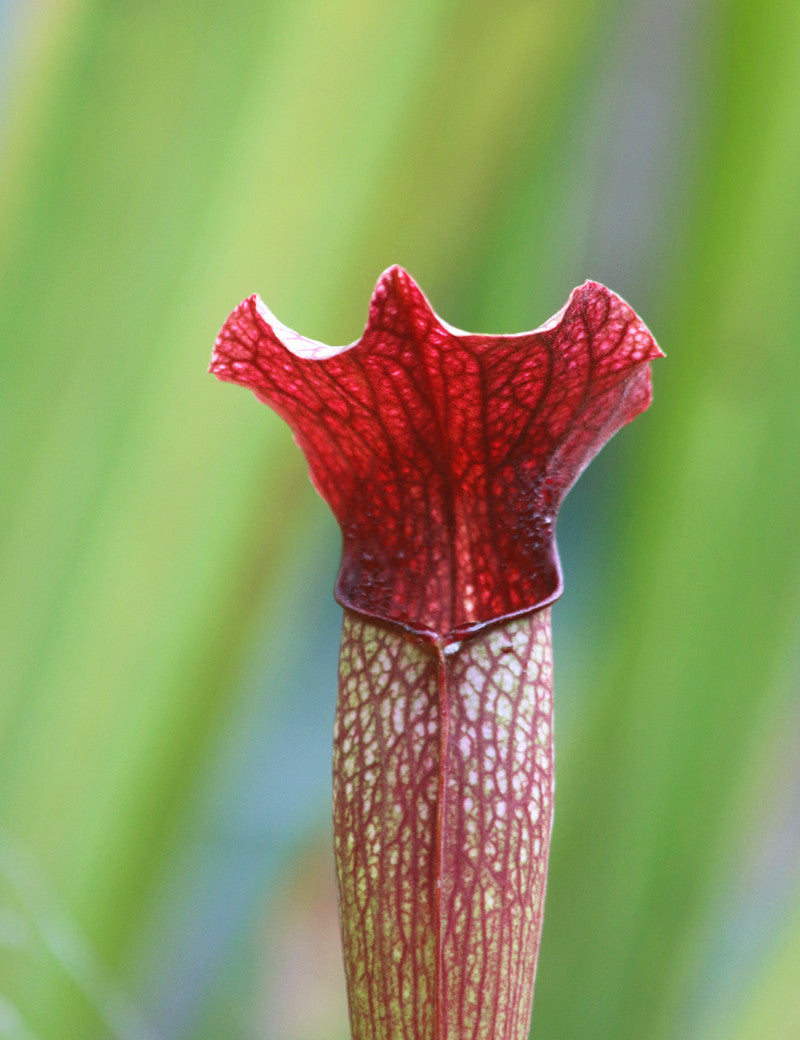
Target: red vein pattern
443	795
445	455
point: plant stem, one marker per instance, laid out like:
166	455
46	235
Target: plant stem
443	794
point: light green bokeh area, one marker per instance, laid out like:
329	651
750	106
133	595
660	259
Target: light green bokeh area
168	658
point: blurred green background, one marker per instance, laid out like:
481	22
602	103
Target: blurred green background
169	641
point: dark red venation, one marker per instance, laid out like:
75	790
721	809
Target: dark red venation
445	456
443	805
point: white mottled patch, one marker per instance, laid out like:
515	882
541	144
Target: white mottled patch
471	704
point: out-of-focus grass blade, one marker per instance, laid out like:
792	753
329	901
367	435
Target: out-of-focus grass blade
650	820
134	534
746	984
771	1008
